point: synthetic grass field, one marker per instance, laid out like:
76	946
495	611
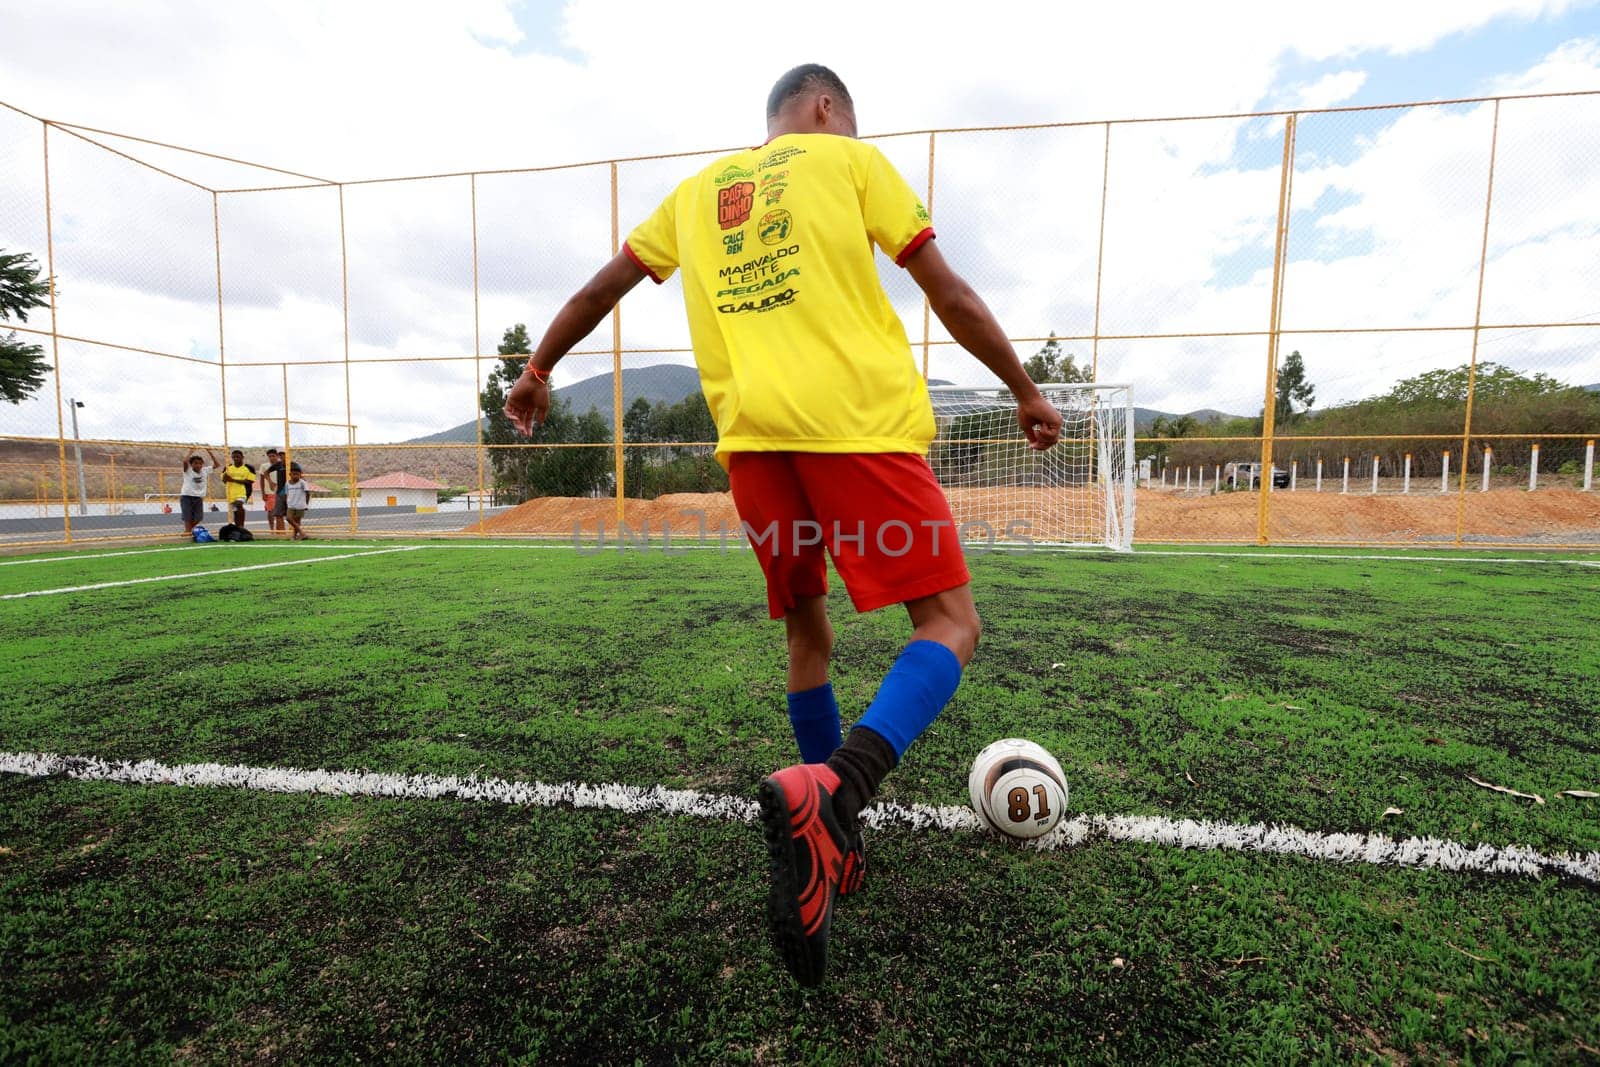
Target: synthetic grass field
225	924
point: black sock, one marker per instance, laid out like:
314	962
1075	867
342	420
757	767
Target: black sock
861	763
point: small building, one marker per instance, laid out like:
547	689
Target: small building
398	489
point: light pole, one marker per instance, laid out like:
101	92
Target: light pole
77	451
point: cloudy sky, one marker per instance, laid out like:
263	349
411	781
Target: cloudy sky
1385	234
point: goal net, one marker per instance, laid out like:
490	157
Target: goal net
1078	493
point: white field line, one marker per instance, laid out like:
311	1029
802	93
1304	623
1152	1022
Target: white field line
255	546
206	574
1378	849
97	555
739	545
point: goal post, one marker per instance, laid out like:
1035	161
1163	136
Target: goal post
1081	492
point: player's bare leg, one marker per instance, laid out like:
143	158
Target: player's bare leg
810	636
949	618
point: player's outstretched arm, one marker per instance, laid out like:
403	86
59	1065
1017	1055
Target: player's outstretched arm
529	399
975	328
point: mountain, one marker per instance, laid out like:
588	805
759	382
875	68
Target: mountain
664	382
669	383
1595	388
1143	418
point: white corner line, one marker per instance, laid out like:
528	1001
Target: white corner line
96	555
206	574
1427	853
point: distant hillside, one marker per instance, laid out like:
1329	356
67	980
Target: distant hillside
1595	388
665	382
669	383
1143	418
661	382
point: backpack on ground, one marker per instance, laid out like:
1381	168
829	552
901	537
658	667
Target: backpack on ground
202	536
231	532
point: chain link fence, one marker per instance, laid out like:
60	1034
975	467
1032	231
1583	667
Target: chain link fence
1391	310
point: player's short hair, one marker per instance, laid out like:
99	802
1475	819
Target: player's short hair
808	77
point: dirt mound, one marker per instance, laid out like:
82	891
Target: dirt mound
681	512
1162	515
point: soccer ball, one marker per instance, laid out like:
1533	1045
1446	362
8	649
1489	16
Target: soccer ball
1017	789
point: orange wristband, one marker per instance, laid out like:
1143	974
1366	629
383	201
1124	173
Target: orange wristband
540	376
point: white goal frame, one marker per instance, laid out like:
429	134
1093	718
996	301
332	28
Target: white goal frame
1079	493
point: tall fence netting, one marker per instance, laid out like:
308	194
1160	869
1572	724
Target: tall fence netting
1347	326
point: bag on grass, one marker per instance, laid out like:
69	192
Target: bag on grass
231	532
202	536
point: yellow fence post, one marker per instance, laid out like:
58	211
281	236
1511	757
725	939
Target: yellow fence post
1269	403
55	341
222	357
477	345
1100	257
1477	326
616	363
926	304
349	413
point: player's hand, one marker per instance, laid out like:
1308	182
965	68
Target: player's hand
1040	421
527	404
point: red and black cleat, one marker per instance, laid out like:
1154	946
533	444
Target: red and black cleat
806	850
855	865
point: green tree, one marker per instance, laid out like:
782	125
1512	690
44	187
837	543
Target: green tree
1293	388
675	468
522	473
1176	426
1050	364
22	366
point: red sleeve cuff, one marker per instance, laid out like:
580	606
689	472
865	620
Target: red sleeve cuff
637	262
916	242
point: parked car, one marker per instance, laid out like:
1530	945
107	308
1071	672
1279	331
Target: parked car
1243	475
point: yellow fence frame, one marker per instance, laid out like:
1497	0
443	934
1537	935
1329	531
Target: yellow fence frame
1272	333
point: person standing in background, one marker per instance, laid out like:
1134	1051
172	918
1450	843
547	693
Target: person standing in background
192	493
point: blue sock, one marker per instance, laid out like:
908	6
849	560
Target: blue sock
916	689
814	714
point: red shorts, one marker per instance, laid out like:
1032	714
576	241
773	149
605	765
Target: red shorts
267	501
882	517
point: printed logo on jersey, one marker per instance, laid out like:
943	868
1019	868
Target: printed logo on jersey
734	203
779	156
733	243
773	186
775	227
766	303
733	172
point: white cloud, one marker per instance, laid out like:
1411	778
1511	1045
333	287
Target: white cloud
1330	89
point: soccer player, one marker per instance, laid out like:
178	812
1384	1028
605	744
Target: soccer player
823	424
237	479
297	499
192	492
273	479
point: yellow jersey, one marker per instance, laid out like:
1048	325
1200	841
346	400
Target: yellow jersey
797	344
235	490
